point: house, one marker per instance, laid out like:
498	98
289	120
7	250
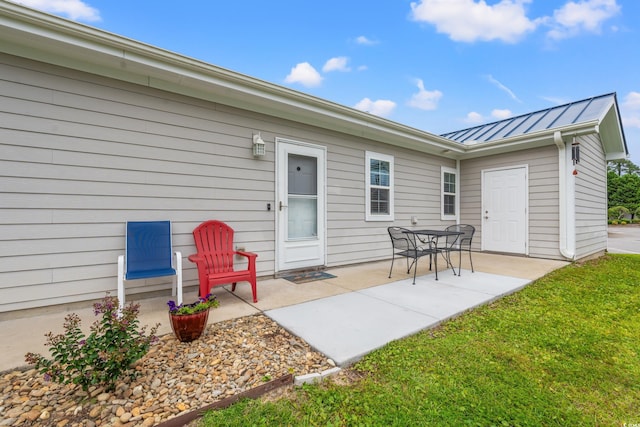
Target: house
97	130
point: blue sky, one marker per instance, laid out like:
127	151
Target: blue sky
436	65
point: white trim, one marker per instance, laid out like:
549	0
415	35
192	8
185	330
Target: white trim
456	193
570	201
458	202
369	155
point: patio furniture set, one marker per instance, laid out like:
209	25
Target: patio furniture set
415	244
149	254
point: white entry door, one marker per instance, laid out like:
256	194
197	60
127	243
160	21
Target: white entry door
300	205
504	210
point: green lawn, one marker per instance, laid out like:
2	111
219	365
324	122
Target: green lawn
564	351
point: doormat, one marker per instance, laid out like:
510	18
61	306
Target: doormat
308	276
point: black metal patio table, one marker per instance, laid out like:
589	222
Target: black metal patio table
432	237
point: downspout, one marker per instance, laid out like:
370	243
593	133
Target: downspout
458	186
563	197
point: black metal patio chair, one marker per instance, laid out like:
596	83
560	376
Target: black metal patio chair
460	243
405	245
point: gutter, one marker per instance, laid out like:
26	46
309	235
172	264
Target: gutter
567	210
458	189
516	142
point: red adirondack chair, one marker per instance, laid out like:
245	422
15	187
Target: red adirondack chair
214	243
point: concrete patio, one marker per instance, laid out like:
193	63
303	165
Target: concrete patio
343	317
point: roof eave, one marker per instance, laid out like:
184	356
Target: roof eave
531	140
612	134
608	127
43	37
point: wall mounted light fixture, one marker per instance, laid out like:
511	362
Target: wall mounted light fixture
258	146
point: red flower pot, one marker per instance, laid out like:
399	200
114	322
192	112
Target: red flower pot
189	327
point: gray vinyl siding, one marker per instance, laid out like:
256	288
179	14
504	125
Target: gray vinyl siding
543	196
591	198
80	155
351	239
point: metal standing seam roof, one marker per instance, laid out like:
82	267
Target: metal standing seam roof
585	110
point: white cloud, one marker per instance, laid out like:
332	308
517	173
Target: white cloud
72	9
336	64
365	41
425	99
631	121
469	20
632	101
503	87
305	74
630	110
381	107
501	114
474	118
581	16
555	100
497	114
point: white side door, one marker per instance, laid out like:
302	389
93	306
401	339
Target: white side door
300	205
504	210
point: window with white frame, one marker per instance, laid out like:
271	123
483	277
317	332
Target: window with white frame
449	191
379	187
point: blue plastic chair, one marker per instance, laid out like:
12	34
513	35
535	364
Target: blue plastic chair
149	254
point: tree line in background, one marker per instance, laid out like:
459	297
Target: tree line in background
623	191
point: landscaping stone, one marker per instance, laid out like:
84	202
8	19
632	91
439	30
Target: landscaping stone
174	377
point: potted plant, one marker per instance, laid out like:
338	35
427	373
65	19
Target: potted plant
188	321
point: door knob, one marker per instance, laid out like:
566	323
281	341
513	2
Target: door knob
282	205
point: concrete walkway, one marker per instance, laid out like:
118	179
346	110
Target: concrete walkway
344	317
348	326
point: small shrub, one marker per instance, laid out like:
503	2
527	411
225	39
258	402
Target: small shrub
614	222
115	342
617	212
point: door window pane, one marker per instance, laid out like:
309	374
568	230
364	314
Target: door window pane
303	214
303	175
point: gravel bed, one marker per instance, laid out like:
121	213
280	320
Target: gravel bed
174	378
